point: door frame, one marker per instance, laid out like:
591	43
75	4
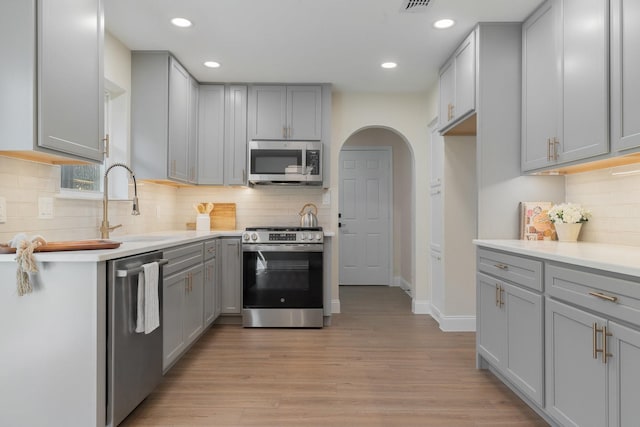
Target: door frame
389	150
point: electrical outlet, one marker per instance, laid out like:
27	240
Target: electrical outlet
3	210
45	207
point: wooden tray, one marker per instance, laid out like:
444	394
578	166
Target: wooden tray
71	245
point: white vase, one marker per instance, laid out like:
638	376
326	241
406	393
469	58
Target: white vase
568	232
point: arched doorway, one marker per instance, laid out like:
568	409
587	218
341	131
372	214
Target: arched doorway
401	201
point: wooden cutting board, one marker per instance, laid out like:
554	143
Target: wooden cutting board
71	245
223	216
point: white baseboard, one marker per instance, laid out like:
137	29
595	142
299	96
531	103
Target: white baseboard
401	283
420	306
457	323
335	306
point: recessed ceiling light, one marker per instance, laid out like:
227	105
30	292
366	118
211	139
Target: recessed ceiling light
388	65
181	22
444	23
212	64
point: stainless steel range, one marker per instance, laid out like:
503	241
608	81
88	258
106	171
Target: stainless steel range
282	277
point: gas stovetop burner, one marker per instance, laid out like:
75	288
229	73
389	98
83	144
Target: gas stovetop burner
283	228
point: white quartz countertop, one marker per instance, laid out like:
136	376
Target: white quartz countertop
133	245
613	258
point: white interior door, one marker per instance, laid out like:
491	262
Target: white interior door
365	207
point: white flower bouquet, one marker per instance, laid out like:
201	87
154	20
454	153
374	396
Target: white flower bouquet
568	213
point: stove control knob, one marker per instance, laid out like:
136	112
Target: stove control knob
245	237
254	236
318	236
303	236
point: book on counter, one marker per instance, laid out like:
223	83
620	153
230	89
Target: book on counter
534	221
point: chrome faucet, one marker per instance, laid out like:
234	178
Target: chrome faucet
105	228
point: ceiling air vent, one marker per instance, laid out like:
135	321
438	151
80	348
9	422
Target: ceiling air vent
414	6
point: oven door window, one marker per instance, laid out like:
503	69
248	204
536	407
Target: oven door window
274	162
282	279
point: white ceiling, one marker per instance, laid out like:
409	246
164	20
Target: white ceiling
321	41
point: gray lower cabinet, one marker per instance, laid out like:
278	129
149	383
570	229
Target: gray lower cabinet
510	333
586	346
211	294
52	77
182	307
625	69
230	265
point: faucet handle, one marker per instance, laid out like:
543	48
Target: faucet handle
114	227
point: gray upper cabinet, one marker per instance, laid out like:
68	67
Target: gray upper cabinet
183	108
565	95
279	112
51	77
222	139
235	154
458	85
164	105
625	69
211	135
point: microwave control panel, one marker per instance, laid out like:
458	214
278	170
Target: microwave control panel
313	161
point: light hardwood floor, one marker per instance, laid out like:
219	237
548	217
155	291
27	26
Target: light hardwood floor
376	365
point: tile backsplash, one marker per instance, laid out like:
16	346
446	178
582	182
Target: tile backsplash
162	207
614	202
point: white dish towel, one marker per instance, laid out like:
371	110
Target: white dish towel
148	318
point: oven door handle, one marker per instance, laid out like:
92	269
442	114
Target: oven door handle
314	247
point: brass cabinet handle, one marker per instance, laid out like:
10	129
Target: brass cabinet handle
548	149
500	294
604	296
603	350
556	142
497	295
605	353
501	266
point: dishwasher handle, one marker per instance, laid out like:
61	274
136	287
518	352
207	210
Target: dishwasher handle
138	270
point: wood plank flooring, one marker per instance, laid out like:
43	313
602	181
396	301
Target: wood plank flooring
376	365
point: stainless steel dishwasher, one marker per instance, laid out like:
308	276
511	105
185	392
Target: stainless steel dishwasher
134	360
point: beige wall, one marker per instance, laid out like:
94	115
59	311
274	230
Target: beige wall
402	196
408	116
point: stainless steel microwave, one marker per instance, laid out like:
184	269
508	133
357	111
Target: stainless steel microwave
285	162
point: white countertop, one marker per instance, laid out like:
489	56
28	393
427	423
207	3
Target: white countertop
134	244
614	258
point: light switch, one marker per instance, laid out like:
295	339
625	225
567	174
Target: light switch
45	207
3	210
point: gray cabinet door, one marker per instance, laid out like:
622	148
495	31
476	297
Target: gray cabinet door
624	376
192	131
585	79
447	94
625	69
304	112
211	123
179	90
491	327
231	275
465	77
70	77
209	292
173	307
576	382
524	362
235	152
268	108
540	86
194	307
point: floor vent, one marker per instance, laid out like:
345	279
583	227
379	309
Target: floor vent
414	6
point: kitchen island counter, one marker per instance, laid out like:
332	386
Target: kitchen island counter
613	258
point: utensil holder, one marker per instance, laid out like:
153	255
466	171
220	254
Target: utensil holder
203	223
